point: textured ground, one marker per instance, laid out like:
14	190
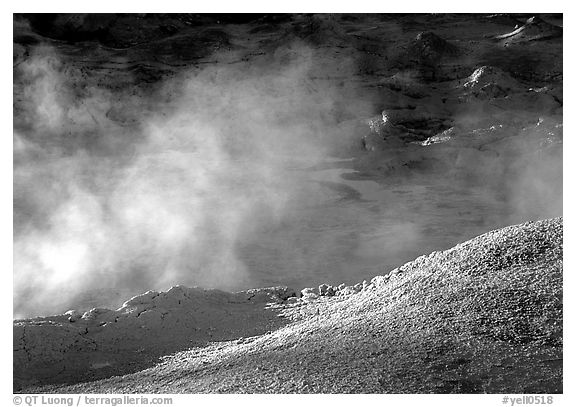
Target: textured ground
482	317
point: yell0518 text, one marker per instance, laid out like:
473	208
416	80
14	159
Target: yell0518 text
527	400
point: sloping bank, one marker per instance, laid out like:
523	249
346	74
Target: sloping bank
484	316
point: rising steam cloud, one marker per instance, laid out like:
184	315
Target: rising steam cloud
100	205
199	181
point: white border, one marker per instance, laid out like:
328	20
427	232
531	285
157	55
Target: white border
356	6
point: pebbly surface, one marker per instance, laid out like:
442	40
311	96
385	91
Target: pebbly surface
483	316
99	342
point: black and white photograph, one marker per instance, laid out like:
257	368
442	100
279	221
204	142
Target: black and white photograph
308	203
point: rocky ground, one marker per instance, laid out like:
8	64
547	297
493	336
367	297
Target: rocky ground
482	317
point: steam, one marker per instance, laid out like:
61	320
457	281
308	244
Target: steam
203	180
101	205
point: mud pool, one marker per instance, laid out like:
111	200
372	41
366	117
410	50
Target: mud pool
345	227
